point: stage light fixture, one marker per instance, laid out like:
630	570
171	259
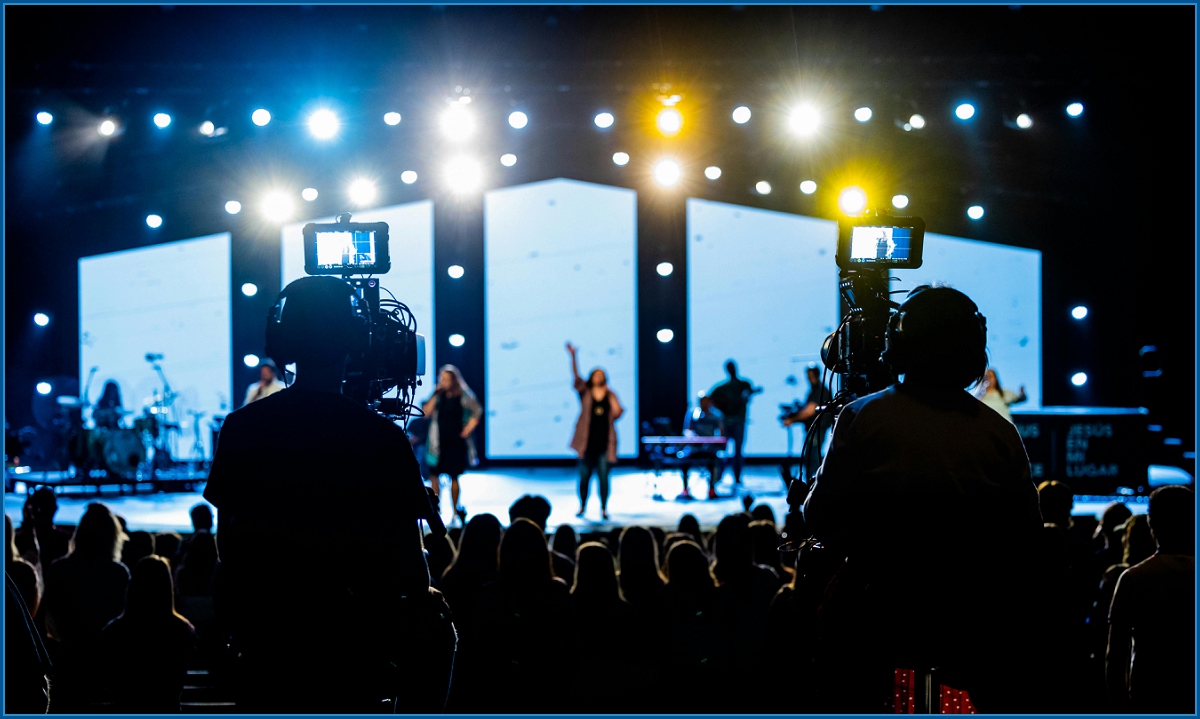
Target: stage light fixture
44	118
455	271
669	121
667	172
762	187
1079	312
712	172
964	111
107	128
362	192
456	340
44	388
741	114
621	158
1075	109
249	289
41	319
408	177
899	201
153	221
508	159
162	120
604	120
277	206
309	194
665	335
804	120
463	175
207	128
1079	379
323	124
1024	121
664	269
808	187
391	118
457	123
233	207
518	120
916	122
250	360
852	200
260	117
975	212
863	114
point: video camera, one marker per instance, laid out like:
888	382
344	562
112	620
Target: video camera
393	357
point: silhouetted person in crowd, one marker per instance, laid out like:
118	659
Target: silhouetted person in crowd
641	584
1137	544
23	573
599	624
476	564
1106	542
1153	612
928	494
146	649
166	545
84	591
357	599
535	508
689	525
562	551
139	544
763	513
439	555
765	540
27	666
50	541
692	647
26	538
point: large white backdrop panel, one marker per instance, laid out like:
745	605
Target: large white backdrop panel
171	299
1006	283
561	266
410	237
762	291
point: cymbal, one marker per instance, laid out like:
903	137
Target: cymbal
68	401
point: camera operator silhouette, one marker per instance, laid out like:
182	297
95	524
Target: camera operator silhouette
343	620
927	494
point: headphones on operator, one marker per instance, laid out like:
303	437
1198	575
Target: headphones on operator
284	338
897	354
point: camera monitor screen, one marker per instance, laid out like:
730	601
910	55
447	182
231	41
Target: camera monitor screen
870	243
346	248
880	244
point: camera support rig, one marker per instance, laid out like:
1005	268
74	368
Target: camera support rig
855	350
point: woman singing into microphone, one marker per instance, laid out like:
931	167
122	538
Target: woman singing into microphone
453	413
595	439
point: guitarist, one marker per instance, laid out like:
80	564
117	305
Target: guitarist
732	397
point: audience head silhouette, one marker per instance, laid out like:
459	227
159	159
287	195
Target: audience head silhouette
734	553
1137	540
565	542
1173	519
687	569
1057	500
638	558
202	518
524	557
533	507
689	525
479	547
98	535
595	574
151	593
44	504
938	339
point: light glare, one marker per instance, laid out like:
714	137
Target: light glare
153	221
863	114
1024	121
457	123
162	120
41	319
741	114
808	187
916	122
667	173
277	206
712	172
250	360
207	128
669	121
1079	379
463	175
964	111
804	120
665	335
455	271
621	158
233	207
664	269
362	192
249	289
852	200
45	118
604	120
392	118
518	120
975	212
408	177
763	187
899	201
508	159
323	124
44	388
309	193
1079	312
108	127
1075	109
457	340
260	117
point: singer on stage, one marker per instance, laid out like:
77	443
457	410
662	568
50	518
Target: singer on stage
595	439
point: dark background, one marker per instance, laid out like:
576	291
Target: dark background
1109	198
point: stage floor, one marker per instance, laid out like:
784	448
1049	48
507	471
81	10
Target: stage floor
632	500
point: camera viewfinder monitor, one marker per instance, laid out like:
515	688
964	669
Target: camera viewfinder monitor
866	243
346	248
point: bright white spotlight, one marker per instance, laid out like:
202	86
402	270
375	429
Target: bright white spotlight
277	206
391	118
741	114
665	335
916	122
457	123
153	221
41	319
250	360
975	212
621	158
44	118
863	114
462	174
362	192
964	111
508	159
408	177
1075	109
1079	312
309	194
233	207
712	172
249	289
667	173
808	187
1024	121
108	127
604	120
455	271
44	388
1079	379
664	269
323	124
261	117
852	200
669	121
457	340
763	187
207	128
162	120
899	201
804	120
517	120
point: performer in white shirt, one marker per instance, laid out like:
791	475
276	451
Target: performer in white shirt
268	382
